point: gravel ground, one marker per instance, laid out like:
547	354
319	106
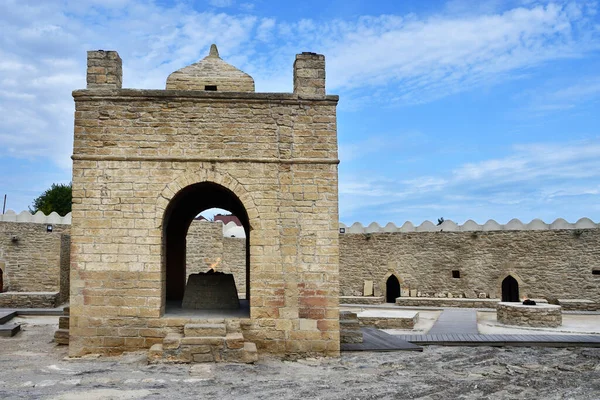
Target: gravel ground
32	367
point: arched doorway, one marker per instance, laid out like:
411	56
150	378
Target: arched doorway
1	280
181	211
392	289
510	289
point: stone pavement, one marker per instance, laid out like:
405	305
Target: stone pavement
457	320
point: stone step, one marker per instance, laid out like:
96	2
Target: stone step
203	341
172	341
349	324
203	330
7	316
351	336
247	354
347	315
155	353
61	336
9	330
63	322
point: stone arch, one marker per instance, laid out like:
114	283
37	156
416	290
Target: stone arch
383	283
510	289
185	197
204	175
509	272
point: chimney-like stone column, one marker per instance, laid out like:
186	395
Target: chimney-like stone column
104	70
309	75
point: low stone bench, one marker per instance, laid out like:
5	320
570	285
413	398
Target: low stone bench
540	315
388	319
446	302
578	305
369	300
29	299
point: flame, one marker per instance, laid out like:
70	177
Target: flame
214	265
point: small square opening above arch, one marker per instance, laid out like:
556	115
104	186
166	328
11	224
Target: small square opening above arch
210	88
456	274
596	271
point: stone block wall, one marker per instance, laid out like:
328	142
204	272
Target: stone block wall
34	260
134	150
553	263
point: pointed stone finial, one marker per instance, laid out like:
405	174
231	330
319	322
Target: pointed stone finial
214	52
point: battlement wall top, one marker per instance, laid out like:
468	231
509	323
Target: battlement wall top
471	226
38	218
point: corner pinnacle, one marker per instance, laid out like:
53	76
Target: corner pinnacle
214	52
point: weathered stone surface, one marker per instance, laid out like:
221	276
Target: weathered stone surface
384	319
350	328
29	299
211	73
61	336
361	300
540	315
446	302
211	291
203	330
549	263
34	262
136	150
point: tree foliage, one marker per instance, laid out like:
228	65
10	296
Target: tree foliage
58	198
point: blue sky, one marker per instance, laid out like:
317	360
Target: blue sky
456	109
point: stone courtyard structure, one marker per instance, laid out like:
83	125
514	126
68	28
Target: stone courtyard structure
146	162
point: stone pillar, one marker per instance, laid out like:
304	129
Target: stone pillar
309	75
104	70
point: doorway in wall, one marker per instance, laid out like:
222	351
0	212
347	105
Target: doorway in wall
392	289
510	290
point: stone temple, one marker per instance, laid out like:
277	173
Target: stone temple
146	162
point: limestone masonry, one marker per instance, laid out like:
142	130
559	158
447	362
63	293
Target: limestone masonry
146	162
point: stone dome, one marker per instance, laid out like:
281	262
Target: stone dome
211	74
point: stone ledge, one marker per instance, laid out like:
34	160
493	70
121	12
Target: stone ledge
143	94
446	302
388	319
360	300
578	305
29	299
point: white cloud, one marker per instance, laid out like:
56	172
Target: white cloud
221	3
402	59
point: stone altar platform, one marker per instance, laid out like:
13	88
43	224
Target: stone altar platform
211	290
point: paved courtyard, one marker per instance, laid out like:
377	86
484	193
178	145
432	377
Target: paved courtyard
33	367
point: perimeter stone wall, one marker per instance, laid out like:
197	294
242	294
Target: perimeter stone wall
34	260
546	263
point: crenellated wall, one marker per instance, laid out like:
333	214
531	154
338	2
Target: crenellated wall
470	225
548	260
